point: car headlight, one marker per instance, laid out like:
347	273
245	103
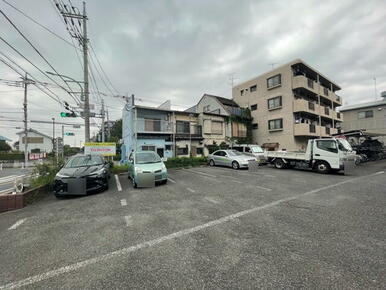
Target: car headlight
137	170
61	175
99	172
163	167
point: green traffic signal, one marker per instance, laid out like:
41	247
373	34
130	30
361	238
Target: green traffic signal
64	114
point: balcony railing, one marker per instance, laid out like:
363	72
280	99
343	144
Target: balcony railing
241	112
196	131
154	126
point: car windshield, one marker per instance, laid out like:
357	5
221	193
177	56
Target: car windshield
147	157
344	145
257	149
79	161
234	153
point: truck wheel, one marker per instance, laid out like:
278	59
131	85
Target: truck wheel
279	163
322	167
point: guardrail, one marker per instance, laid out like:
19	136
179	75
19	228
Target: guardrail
17	182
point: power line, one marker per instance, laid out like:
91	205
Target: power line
33	46
39	24
41	71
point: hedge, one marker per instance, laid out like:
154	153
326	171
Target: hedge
11	156
185	161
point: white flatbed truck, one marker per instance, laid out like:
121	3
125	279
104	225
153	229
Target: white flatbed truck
322	155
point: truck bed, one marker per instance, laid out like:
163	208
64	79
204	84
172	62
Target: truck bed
288	155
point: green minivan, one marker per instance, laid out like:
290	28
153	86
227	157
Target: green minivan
146	169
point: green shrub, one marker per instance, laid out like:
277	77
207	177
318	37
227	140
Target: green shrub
44	174
119	168
185	161
11	156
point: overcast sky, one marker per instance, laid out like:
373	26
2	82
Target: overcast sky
179	50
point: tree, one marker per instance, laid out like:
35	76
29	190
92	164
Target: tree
116	131
4	147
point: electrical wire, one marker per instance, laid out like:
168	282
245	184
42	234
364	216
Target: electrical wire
34	47
39	24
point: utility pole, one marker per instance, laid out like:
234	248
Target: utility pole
375	88
63	141
84	42
53	135
25	123
103	120
85	78
108	124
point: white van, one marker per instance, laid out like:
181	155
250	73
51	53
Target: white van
251	149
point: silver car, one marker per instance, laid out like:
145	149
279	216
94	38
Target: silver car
231	158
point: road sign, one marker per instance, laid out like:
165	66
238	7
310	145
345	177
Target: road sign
69	134
91	114
100	148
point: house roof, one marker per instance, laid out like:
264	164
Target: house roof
362	105
2	138
36	132
223	101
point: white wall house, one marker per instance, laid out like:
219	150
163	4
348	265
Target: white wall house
36	140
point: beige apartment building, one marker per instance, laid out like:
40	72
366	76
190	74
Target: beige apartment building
370	116
289	105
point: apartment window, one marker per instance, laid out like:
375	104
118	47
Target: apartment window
274	81
239	130
182	127
254	107
325	91
310	83
326	111
216	127
276	124
152	125
182	151
274	103
241	92
148	148
312	128
338	115
311	106
253	88
255	126
168	147
200	151
365	114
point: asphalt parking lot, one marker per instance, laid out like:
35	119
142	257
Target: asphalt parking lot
208	228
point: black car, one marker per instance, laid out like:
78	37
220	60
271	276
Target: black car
81	175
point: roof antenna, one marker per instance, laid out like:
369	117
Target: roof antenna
272	64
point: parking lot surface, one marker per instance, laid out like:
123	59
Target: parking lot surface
207	228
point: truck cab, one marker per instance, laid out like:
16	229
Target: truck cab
322	155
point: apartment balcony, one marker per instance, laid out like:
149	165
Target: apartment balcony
153	126
194	133
326	112
306	106
300	81
303	129
337	116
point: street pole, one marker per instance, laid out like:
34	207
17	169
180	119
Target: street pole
53	136
103	121
63	141
25	123
108	124
85	77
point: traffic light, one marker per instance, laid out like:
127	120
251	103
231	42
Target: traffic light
65	114
69	134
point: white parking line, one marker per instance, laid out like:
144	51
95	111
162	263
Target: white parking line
18	223
211	200
191	190
171	180
123	202
235	181
125	251
119	187
128	220
261	187
199	172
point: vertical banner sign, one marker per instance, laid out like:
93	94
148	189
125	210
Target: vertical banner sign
100	148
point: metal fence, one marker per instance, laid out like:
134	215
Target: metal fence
14	183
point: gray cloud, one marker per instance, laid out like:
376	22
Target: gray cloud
179	50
